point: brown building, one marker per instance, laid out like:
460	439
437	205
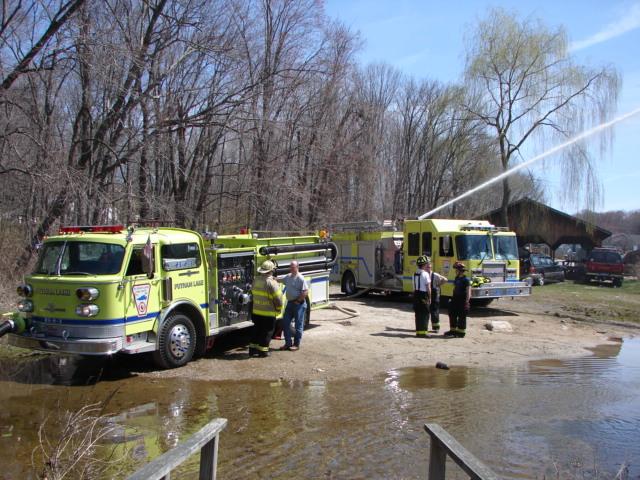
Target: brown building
535	222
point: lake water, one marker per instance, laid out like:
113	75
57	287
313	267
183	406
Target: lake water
580	416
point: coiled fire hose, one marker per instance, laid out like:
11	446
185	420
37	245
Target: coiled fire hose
479	281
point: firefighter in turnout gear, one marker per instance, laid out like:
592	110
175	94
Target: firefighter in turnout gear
267	306
434	308
460	303
421	296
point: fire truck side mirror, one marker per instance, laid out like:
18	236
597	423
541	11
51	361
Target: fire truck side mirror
446	244
148	264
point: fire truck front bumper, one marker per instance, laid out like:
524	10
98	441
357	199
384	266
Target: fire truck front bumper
501	289
94	346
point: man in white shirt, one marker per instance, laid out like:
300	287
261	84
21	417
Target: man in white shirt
296	290
421	296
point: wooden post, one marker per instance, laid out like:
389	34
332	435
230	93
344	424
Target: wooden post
437	459
209	459
443	445
205	440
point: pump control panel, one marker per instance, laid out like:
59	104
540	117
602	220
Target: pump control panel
235	277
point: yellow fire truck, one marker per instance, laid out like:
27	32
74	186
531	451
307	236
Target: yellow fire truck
382	257
104	289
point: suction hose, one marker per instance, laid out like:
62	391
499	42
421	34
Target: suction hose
303	247
6	327
310	247
16	324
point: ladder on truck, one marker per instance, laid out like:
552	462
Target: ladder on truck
369	225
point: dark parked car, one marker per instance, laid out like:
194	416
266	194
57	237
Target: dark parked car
541	269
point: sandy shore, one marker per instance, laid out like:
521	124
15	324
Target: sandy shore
382	338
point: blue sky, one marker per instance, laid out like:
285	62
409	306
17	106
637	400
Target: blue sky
425	39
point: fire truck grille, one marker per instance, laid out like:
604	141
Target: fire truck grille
494	271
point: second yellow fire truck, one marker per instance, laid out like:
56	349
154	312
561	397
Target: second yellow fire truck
382	256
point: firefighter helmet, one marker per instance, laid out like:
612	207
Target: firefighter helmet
459	266
266	267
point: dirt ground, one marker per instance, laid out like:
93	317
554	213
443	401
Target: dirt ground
382	338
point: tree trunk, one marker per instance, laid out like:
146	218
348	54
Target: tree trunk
506	198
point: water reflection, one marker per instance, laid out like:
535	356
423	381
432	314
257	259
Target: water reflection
420	378
518	420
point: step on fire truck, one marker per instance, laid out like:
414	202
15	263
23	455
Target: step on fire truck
102	290
382	257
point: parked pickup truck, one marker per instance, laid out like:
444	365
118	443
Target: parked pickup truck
604	265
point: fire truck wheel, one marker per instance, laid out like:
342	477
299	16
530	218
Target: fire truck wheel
349	284
177	342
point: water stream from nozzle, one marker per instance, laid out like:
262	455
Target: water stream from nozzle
522	165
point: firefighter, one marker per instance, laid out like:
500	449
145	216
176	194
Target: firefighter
267	305
459	304
421	297
436	280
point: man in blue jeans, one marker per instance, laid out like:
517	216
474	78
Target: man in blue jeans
296	290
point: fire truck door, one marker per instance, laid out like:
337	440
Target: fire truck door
141	297
182	268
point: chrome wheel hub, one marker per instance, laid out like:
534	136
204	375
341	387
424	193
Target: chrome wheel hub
179	341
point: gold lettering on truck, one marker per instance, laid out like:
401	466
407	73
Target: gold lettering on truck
197	283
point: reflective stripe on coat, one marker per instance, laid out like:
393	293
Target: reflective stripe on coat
267	297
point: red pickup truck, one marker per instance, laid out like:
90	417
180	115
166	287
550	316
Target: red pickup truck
604	265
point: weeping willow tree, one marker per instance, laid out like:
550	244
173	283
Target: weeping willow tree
527	87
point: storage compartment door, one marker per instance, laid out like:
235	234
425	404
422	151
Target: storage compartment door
319	290
366	263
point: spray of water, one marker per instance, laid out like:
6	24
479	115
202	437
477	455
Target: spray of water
520	166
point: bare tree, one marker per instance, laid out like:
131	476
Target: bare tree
375	89
527	85
56	13
218	113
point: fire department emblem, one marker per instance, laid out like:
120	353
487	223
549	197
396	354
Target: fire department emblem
446	266
141	297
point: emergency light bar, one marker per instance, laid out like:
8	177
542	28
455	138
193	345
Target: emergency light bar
479	227
482	228
92	229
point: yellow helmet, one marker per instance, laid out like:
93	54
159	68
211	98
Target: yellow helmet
266	267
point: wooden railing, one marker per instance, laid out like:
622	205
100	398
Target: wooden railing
443	444
206	440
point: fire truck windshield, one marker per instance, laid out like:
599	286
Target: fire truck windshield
506	248
80	258
474	247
